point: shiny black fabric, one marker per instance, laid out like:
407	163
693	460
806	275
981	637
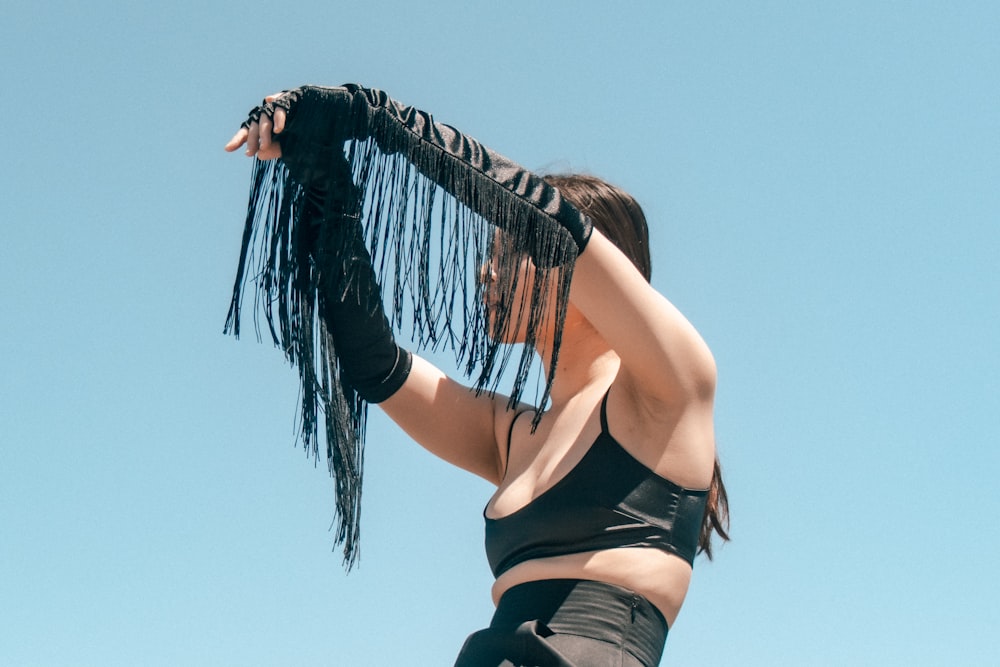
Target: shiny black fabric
608	500
568	623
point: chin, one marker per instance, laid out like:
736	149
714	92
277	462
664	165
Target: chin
507	336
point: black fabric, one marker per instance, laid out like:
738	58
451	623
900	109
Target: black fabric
350	302
568	623
608	500
354	112
428	199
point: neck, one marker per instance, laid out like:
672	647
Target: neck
585	361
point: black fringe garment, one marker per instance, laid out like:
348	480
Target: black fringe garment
429	200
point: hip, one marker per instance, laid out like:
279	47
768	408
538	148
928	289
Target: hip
569	623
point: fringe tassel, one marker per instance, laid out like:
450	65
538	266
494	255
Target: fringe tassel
275	255
429	215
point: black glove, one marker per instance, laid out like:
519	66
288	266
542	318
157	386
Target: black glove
350	301
320	119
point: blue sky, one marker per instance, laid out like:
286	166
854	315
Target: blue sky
821	184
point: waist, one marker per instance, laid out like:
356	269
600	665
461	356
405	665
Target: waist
593	609
661	578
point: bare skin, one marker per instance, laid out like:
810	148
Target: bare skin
620	334
661	413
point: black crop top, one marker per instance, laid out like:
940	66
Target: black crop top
608	500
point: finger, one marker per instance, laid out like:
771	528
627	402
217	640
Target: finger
265	132
238	140
279	120
253	139
272	152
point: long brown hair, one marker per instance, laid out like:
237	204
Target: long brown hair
620	218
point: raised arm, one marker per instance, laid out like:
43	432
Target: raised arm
386	143
347	160
452	421
659	348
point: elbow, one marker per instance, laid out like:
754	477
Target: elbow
692	383
701	377
705	382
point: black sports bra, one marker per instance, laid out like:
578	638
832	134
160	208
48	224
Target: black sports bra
608	500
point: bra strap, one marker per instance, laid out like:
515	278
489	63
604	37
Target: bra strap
604	413
510	431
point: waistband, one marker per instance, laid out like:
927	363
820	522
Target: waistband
589	609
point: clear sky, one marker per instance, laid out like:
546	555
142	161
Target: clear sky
821	182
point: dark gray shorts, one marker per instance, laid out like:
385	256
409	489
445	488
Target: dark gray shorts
568	623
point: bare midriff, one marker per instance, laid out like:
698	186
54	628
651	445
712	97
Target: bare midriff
660	577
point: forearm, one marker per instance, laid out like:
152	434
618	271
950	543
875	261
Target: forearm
321	119
350	304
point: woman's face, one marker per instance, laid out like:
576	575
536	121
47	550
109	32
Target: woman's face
507	278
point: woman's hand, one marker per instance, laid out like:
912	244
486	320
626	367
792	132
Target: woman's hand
258	134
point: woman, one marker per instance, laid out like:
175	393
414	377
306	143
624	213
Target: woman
604	496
